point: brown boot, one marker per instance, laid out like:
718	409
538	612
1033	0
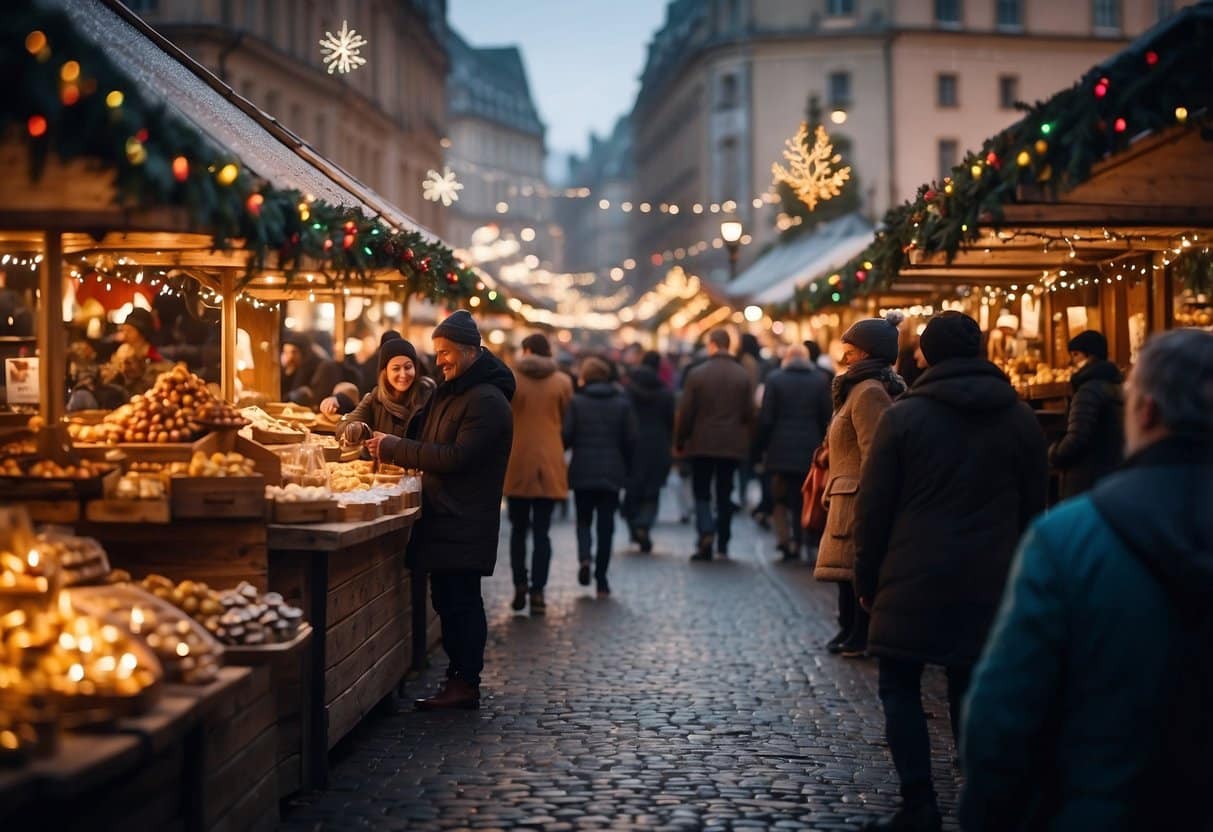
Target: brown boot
456	694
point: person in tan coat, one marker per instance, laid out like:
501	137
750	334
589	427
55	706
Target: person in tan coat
536	479
861	396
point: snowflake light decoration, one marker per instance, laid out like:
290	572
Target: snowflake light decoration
341	51
441	187
811	174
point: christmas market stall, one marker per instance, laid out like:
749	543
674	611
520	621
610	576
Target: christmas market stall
208	616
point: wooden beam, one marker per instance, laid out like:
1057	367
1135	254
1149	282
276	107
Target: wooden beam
52	341
1096	216
227	336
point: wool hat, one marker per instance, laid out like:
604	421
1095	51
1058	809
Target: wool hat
1091	342
299	341
389	335
394	347
141	320
876	336
948	335
460	328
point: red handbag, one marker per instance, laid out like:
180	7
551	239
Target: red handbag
812	513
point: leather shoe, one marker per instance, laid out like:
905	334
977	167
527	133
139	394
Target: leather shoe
646	542
456	694
583	573
538	605
834	645
922	818
519	602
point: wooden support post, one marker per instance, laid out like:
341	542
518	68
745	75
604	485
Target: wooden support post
339	325
227	338
52	346
1162	295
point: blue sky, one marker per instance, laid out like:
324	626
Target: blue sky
583	57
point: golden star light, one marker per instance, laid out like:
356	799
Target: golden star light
441	187
341	51
810	173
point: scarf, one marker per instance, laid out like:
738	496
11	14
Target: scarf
404	410
875	368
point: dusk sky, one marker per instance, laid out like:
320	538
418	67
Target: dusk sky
583	57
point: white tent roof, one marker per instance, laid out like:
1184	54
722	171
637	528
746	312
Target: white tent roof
774	276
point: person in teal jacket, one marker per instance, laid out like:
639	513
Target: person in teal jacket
1092	706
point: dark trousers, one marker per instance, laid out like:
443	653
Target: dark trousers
906	725
852	618
604	504
787	498
457	600
707	472
533	515
639	512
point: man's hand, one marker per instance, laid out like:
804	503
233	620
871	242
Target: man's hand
373	444
329	406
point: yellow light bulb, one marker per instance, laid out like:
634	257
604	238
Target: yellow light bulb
114	99
227	174
1023	159
976	170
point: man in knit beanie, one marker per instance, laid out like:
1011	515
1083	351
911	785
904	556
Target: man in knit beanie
462	449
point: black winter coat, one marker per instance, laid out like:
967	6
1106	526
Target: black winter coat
956	471
462	448
795	414
600	429
1094	443
653	404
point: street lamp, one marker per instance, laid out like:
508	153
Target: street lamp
730	232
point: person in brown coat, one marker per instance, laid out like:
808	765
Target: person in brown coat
715	420
861	396
536	478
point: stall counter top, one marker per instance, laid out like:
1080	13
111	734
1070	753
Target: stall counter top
329	537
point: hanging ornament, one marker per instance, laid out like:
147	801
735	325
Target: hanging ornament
441	187
227	174
1119	125
342	52
1101	88
181	168
424	265
253	204
36	126
810	172
409	255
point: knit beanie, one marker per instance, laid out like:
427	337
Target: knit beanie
948	335
394	347
460	328
141	320
1091	342
389	335
876	336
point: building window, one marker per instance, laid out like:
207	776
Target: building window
947	12
840	8
1008	91
946	90
1164	8
840	89
1107	14
1010	14
727	92
949	157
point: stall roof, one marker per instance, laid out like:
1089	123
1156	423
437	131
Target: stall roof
778	270
198	97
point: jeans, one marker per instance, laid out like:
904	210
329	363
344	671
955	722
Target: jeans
786	495
906	725
534	515
603	503
706	471
639	512
457	600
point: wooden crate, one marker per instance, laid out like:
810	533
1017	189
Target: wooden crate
50	511
112	510
212	497
317	511
360	512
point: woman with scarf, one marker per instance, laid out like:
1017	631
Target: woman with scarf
401	394
861	396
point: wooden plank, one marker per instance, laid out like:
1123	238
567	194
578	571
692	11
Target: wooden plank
249	774
344	638
334	536
356	593
227	737
289	774
348	709
1099	216
392	636
347	564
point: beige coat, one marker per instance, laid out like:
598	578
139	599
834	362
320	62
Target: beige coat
849	439
542	396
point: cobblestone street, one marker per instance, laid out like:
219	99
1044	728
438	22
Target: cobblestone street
698	696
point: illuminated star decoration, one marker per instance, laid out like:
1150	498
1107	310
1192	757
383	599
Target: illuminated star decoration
811	174
441	187
341	51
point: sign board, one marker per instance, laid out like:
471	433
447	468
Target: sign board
21	379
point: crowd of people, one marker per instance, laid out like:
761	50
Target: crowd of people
1076	643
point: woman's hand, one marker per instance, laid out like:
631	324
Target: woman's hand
372	444
329	406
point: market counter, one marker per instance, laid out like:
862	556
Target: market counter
352	583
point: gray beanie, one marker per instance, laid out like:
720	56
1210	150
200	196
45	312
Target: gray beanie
876	336
460	328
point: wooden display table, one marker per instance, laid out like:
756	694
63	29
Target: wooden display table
355	590
202	759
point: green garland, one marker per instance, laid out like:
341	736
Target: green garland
1161	80
68	100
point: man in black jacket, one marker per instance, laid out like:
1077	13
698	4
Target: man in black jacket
956	471
463	448
1094	441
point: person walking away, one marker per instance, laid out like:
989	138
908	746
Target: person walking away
955	472
792	421
653	405
860	395
462	448
536	479
600	430
714	423
1090	707
1093	444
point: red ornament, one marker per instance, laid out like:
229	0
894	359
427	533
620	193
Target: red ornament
142	134
1101	88
929	195
36	126
992	160
253	204
424	264
328	244
349	227
181	168
451	277
1119	125
861	276
409	255
348	241
1151	58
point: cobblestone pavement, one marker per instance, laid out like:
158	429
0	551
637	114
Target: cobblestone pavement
698	696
